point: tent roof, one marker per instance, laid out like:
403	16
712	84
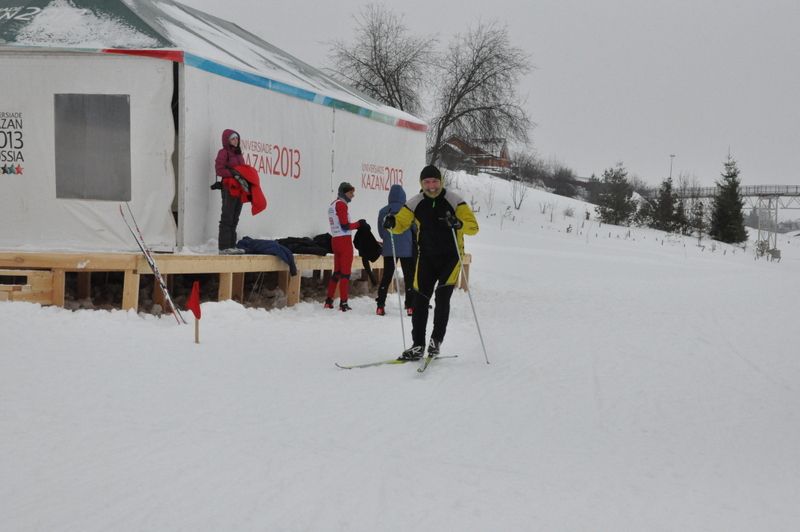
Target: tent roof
168	29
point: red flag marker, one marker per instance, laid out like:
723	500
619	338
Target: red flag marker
193	304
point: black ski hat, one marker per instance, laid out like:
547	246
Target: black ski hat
345	187
430	171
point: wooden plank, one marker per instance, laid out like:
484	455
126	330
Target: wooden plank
22	273
225	286
41	281
237	290
213	264
284	279
292	289
11	287
464	279
59	286
130	291
103	262
38	287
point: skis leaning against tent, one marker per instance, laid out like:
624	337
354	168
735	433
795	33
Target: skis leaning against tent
392	362
148	255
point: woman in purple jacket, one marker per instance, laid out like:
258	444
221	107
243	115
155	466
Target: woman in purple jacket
229	156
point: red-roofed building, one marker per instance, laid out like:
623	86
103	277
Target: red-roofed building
476	155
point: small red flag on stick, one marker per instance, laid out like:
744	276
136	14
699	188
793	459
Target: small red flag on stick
193	304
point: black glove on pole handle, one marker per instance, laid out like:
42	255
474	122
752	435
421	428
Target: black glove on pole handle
452	221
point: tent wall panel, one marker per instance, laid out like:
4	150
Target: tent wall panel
373	157
32	214
301	149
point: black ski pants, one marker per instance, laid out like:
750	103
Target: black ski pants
228	220
407	265
441	272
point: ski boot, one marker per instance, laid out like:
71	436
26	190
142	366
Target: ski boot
412	353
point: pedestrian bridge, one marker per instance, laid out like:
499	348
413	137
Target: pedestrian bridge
766	199
790	192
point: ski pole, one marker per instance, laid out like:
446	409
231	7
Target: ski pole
469	292
397	288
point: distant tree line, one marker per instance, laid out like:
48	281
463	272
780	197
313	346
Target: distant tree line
554	176
669	210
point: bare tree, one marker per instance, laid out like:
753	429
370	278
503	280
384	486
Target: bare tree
639	185
384	61
519	190
477	94
529	168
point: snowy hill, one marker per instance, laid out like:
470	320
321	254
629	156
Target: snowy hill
637	382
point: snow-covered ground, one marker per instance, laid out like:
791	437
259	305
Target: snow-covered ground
637	382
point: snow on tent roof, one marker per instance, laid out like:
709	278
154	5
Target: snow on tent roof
206	42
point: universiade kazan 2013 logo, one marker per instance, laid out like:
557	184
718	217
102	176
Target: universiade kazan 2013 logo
11	143
380	176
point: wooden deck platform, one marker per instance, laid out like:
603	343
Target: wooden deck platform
45	273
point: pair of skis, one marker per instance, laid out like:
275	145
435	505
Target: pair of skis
148	255
426	361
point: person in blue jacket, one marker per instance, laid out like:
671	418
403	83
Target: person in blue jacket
404	250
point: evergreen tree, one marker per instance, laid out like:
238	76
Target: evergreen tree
593	190
615	205
698	218
727	219
682	219
644	214
664	212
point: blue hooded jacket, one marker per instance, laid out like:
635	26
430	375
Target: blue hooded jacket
256	246
403	242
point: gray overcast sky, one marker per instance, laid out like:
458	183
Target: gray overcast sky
614	80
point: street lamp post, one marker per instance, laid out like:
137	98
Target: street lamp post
671	157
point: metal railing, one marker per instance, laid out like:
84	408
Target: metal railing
744	191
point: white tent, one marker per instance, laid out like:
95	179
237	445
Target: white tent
126	100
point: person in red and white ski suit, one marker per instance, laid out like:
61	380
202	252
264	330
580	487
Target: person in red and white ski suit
342	245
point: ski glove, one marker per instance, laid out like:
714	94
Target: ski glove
389	222
452	221
363	223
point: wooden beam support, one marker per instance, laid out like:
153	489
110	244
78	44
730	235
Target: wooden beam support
59	286
462	283
225	286
290	285
130	291
237	288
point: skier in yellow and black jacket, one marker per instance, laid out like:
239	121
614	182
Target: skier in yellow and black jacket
437	213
